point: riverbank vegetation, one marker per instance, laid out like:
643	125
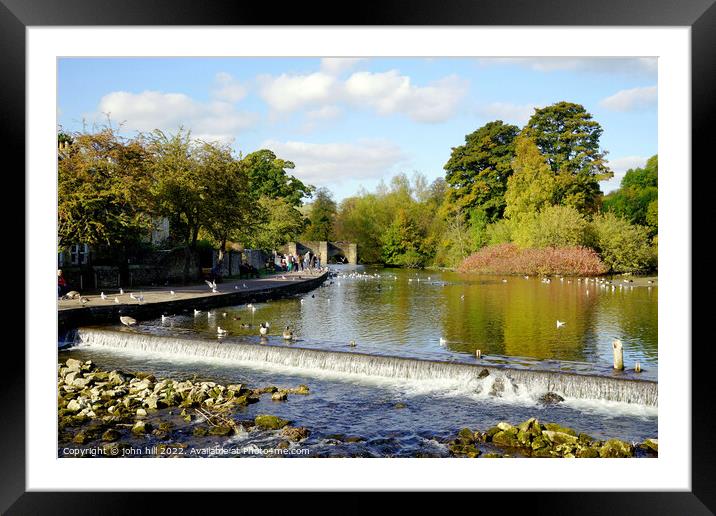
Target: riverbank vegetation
512	200
535	188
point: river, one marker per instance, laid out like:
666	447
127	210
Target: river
389	408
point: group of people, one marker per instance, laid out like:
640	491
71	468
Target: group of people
296	262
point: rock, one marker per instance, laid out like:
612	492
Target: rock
504	426
81	437
141	427
614	448
263	390
75	405
492	456
506	438
73	364
558	428
117	378
110	435
466	434
354	439
551	398
270	422
400	405
296	433
588	453
279	396
81	383
282	445
200	431
560	437
651	444
221	430
141	412
301	389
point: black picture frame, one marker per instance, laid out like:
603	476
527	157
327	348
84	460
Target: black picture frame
699	15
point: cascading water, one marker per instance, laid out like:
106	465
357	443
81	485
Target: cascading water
485	380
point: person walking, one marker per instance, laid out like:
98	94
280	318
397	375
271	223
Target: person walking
61	284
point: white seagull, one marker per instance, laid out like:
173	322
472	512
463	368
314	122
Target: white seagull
221	331
196	312
102	295
560	323
127	321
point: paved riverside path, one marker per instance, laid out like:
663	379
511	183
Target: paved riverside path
159	300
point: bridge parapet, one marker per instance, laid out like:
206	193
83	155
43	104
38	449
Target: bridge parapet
325	250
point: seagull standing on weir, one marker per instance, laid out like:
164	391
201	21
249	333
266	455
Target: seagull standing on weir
263	329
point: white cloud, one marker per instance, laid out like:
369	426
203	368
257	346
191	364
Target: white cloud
229	89
619	166
323	164
149	110
387	93
620	65
633	99
338	65
508	112
290	92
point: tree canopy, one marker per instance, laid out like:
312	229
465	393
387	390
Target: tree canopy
568	137
477	172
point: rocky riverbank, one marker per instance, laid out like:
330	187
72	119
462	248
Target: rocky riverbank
534	439
107	408
120	414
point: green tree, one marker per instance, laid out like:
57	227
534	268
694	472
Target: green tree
228	208
279	222
637	195
179	187
568	138
321	216
403	242
268	178
477	172
532	186
554	226
102	190
623	247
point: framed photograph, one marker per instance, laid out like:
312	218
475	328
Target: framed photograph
382	249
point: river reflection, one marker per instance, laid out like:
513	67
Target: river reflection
403	312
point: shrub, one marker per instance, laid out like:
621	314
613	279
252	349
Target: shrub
499	232
554	226
510	259
623	247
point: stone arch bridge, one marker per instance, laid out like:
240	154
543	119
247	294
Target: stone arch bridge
328	252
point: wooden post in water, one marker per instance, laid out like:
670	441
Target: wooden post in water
618	354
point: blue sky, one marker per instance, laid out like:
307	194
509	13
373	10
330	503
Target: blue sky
348	123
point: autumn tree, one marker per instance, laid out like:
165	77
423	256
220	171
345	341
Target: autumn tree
102	189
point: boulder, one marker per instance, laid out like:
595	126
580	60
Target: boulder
560	437
558	428
141	427
73	364
301	389
279	396
295	433
270	422
466	435
588	453
651	444
221	430
110	435
551	398
614	448
506	438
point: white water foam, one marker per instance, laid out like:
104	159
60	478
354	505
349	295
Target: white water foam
413	376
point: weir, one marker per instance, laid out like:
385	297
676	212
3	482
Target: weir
500	380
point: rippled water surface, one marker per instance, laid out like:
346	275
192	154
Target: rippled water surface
427	315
